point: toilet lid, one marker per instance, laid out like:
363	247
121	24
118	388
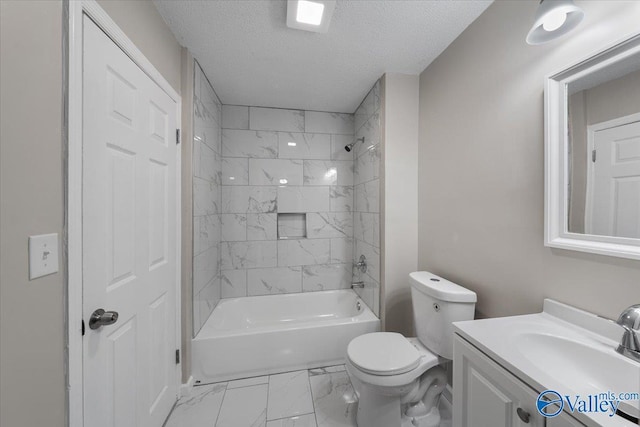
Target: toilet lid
383	353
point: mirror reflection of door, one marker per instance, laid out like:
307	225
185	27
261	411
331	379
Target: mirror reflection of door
613	184
604	152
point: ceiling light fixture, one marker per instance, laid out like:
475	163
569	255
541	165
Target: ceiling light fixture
309	12
554	18
310	15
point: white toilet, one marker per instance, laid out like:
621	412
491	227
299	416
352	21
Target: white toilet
399	380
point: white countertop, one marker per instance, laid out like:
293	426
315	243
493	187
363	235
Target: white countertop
541	350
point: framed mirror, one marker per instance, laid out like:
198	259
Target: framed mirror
592	154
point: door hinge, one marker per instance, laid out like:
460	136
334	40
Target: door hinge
82	327
177	356
593	156
177	136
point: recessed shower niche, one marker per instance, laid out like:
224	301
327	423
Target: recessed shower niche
292	225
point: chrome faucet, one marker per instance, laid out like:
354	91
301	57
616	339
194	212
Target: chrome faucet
362	264
630	343
357	285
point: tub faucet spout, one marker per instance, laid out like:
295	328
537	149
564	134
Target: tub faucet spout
357	285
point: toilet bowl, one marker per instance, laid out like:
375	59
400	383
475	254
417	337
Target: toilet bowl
399	380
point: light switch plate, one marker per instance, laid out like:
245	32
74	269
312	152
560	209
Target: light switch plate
43	255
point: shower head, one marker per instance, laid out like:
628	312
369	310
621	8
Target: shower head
349	147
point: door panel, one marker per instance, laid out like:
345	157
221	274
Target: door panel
129	239
120	217
158	374
122	368
158	226
615	202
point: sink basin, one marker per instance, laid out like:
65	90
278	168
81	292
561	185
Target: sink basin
586	367
563	349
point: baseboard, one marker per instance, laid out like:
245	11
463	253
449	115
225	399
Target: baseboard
187	388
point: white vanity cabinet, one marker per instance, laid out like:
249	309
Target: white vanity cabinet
563	420
487	395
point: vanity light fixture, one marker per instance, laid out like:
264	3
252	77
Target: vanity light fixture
553	19
310	15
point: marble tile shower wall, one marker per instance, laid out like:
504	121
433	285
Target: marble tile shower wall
285	173
366	222
207	146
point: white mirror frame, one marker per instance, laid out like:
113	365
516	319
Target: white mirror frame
557	234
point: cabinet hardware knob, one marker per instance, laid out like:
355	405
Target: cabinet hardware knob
523	415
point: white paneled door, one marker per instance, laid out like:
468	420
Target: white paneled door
614	205
129	239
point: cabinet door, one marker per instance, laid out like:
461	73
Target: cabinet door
563	420
486	395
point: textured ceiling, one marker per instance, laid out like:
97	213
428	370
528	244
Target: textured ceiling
252	58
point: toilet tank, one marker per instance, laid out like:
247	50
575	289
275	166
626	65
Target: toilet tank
437	303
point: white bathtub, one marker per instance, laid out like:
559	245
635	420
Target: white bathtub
262	335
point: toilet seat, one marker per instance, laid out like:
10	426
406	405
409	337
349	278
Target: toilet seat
383	353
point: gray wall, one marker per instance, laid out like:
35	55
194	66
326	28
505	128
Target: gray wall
142	23
31	186
400	107
481	165
186	135
578	181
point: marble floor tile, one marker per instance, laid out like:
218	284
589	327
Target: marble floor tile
308	420
326	370
445	412
244	407
289	395
246	382
334	400
319	397
200	409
